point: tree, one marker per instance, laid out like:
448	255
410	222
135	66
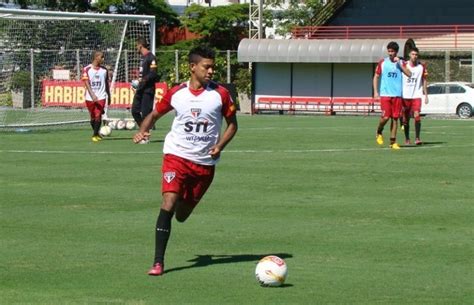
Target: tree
58	5
164	15
222	26
297	14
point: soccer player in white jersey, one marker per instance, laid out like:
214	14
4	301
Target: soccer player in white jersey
192	147
414	90
96	80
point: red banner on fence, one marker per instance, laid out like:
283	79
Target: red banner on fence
71	94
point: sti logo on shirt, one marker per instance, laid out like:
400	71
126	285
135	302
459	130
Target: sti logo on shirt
191	126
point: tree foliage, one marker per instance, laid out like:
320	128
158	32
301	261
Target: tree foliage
57	5
164	15
222	26
297	14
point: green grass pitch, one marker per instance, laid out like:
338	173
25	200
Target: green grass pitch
356	223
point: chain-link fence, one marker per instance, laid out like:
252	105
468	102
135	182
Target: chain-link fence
39	65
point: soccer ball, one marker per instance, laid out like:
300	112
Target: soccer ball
120	124
271	271
105	131
130	125
112	124
134	84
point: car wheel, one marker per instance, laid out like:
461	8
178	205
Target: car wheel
464	111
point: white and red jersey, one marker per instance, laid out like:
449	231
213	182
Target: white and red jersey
198	120
413	85
97	78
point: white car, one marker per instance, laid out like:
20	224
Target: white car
450	98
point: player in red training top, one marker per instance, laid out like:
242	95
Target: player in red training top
96	80
414	89
193	145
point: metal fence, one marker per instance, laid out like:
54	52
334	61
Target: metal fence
37	65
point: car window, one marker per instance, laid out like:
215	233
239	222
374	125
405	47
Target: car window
436	89
453	89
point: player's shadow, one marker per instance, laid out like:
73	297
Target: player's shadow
129	139
424	144
433	143
213	259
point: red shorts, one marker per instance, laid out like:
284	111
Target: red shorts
391	106
95	108
411	105
186	178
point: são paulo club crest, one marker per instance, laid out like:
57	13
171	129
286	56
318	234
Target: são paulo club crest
169	176
195	112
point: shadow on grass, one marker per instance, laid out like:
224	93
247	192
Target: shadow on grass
129	139
424	144
212	259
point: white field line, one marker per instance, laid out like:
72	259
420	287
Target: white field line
249	151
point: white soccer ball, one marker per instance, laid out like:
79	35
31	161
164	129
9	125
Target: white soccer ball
130	125
271	271
105	131
120	124
134	84
112	124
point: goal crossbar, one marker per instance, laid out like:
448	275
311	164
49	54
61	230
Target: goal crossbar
26	14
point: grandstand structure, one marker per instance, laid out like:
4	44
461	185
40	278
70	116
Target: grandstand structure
328	67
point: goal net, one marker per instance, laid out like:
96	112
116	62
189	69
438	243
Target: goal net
42	54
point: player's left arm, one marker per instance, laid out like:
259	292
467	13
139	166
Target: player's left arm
152	75
227	136
107	87
424	79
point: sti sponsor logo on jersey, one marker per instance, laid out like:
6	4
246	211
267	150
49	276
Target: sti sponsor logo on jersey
169	176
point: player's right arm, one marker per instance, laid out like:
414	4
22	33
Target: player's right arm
147	124
161	108
376	79
85	79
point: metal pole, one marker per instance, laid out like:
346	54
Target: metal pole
472	66
176	65
153	36
260	19
78	65
228	66
447	68
32	79
125	54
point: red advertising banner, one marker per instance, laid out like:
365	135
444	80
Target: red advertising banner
71	94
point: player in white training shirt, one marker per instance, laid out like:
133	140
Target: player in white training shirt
192	147
96	80
414	90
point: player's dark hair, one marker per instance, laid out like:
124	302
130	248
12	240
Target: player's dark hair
199	52
393	45
142	41
415	49
94	54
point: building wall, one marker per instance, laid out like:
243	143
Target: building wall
313	79
420	12
353	80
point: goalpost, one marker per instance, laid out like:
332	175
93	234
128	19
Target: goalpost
42	54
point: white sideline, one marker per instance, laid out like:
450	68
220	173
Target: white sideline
250	151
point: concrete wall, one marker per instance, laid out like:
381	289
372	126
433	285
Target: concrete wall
313	79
